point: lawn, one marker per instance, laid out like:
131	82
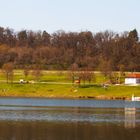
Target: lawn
67	91
56	84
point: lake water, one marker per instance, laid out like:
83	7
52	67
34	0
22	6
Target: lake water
59	119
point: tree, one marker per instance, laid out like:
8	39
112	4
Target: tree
121	73
87	75
26	71
37	72
133	35
103	51
45	38
106	69
22	38
2	38
73	72
91	76
8	70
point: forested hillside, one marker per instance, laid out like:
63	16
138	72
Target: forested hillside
95	51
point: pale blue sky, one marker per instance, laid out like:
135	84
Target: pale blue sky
70	15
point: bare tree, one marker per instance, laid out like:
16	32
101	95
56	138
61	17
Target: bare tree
73	72
37	72
8	70
26	71
87	75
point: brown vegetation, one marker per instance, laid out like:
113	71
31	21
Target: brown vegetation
105	51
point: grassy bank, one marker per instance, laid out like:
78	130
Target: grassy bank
68	91
57	85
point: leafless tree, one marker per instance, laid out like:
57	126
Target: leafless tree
37	72
8	70
26	71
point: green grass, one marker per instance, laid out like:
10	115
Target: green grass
66	91
60	90
47	76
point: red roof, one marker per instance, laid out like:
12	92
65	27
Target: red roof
133	76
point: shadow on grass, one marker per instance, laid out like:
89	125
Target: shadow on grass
90	85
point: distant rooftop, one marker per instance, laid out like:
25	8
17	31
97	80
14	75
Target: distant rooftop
133	76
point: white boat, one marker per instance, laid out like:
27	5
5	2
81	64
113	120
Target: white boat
135	98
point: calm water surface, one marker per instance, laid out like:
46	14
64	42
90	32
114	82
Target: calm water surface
58	119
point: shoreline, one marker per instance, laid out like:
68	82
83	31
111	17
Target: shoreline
61	91
70	97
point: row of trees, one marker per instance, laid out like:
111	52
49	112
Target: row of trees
36	72
105	51
8	70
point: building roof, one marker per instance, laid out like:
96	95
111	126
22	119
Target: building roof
133	76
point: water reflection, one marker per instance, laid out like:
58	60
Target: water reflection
65	131
62	114
130	117
97	120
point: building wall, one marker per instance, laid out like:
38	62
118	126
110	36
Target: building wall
138	81
130	80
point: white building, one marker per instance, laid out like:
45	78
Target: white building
132	79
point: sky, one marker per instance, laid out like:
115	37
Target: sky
70	15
